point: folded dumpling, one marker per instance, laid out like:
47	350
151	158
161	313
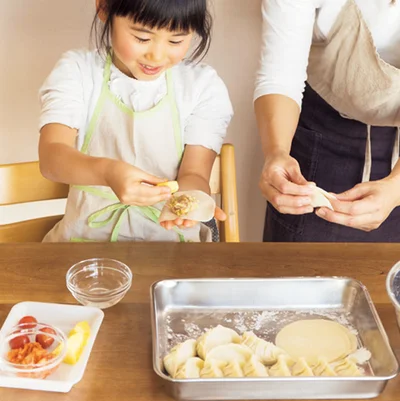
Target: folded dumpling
282	366
212	368
322	368
267	352
212	338
346	367
233	369
190	369
301	368
254	368
179	355
230	352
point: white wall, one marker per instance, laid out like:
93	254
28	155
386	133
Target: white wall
34	33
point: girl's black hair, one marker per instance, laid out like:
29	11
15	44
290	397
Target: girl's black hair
174	15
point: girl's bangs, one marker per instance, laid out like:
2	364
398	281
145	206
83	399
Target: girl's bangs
174	15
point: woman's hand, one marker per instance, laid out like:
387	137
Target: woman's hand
184	223
129	184
366	206
283	185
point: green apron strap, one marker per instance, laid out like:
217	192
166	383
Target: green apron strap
175	115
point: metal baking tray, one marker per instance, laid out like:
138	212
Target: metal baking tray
183	309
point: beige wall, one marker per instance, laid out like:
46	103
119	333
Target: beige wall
33	34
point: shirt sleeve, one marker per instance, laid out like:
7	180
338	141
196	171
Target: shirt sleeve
286	40
62	94
212	110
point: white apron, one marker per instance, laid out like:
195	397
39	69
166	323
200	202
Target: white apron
150	140
346	70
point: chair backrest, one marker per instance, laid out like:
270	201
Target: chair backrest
223	183
23	182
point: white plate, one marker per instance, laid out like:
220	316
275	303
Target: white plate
63	317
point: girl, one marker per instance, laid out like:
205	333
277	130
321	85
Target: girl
119	120
346	138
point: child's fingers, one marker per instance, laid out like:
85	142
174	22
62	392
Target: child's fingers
220	214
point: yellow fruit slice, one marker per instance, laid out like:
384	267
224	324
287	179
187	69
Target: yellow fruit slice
58	349
75	344
173	185
81	327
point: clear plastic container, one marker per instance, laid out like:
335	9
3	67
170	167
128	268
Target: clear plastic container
99	282
393	288
50	361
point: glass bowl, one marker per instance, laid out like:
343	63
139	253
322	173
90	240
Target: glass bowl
24	336
393	288
99	282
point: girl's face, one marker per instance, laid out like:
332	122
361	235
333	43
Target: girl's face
145	53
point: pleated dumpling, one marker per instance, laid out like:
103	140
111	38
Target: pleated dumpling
212	368
212	338
302	368
267	352
346	367
179	355
254	368
233	369
230	352
282	366
322	368
190	369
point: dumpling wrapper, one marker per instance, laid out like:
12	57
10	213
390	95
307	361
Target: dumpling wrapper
320	198
203	212
313	339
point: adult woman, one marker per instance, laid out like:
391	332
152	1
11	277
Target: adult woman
345	138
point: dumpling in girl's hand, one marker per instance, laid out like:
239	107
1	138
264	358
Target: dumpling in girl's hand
346	367
230	352
212	338
212	368
322	368
193	205
190	369
254	368
233	369
282	367
267	352
301	368
179	355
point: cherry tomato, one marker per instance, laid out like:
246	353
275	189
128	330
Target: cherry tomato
19	342
29	322
43	340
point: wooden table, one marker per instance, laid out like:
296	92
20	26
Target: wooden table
120	366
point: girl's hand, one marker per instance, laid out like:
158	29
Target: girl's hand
283	185
183	223
129	184
366	206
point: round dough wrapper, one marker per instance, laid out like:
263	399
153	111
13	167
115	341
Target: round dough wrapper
313	339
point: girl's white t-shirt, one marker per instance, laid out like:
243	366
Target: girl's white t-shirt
290	27
70	93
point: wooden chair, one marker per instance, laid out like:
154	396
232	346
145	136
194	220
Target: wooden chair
23	182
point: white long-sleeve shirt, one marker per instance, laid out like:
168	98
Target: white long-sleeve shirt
290	27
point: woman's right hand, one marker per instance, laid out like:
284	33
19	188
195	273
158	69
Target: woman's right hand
130	184
283	185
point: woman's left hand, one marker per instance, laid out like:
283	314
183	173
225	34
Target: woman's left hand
184	223
366	206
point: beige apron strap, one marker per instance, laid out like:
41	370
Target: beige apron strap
396	148
368	157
